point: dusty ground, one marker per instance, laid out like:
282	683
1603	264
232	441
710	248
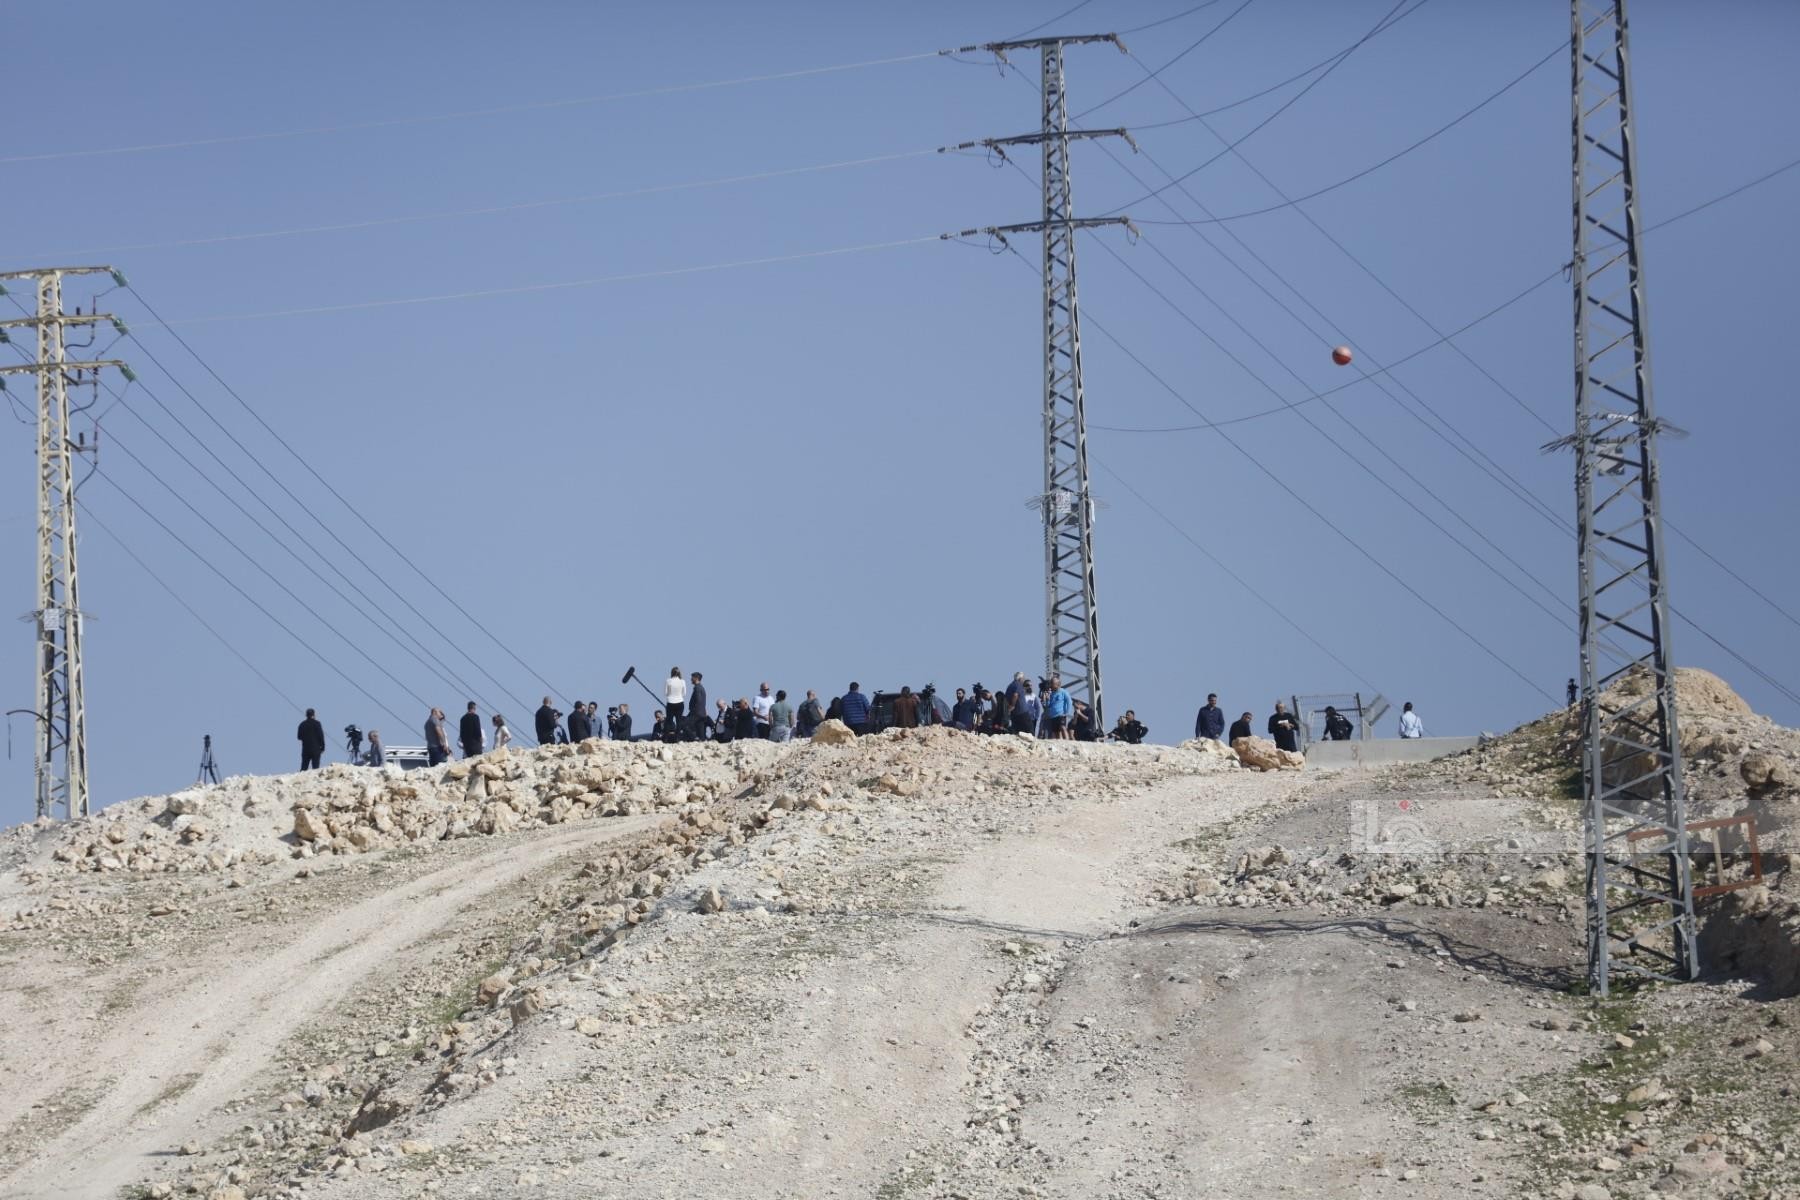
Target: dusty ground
925	966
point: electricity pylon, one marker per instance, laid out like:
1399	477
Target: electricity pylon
60	752
1640	900
1071	609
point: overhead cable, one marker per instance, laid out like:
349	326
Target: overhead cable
486	210
232	584
562	285
1376	166
348	507
501	110
89	517
1387	22
303	506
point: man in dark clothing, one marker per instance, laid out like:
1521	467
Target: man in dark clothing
856	709
697	714
437	738
1211	721
809	717
1130	730
743	721
1573	693
964	711
312	741
581	726
470	733
1284	729
1337	726
906	709
622	725
1240	728
546	723
1082	724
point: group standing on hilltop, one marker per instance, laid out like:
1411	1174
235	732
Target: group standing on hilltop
1284	727
1046	710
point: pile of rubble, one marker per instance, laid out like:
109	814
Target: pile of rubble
1275	876
251	821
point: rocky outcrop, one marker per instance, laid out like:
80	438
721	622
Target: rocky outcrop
1261	754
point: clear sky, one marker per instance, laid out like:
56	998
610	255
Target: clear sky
814	470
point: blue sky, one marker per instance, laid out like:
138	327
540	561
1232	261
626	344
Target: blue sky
815	470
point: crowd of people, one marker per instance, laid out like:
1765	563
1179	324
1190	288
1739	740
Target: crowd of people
1284	727
1044	709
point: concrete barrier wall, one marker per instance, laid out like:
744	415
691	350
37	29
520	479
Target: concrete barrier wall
1379	752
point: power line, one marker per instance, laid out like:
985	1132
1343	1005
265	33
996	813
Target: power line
1387	22
1186	12
1314	510
1192	46
125	545
1373	167
270	575
1358	381
339	496
1519	401
490	210
308	509
629	277
419	655
1235	577
502	110
229	582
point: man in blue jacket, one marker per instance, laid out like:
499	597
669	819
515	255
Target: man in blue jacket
856	709
1057	709
1211	721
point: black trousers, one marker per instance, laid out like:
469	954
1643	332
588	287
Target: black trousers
437	754
309	760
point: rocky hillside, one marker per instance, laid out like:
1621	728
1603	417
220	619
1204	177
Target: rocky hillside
918	965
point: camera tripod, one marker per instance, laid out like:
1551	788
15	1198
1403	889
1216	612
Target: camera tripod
209	770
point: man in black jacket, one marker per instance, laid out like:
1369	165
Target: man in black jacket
546	723
1239	728
1338	727
581	726
621	729
697	714
1284	729
469	732
312	741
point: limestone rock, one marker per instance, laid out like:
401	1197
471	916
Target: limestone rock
491	988
833	733
1263	755
712	900
1208	748
308	827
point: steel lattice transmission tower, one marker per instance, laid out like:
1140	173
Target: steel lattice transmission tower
1640	886
61	743
1071	610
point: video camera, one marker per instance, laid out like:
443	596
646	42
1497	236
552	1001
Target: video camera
353	739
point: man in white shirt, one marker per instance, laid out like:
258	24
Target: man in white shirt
1410	725
760	704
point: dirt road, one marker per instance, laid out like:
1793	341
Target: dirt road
166	1068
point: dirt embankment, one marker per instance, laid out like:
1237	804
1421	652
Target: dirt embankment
924	965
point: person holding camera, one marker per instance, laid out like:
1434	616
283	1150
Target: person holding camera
312	741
